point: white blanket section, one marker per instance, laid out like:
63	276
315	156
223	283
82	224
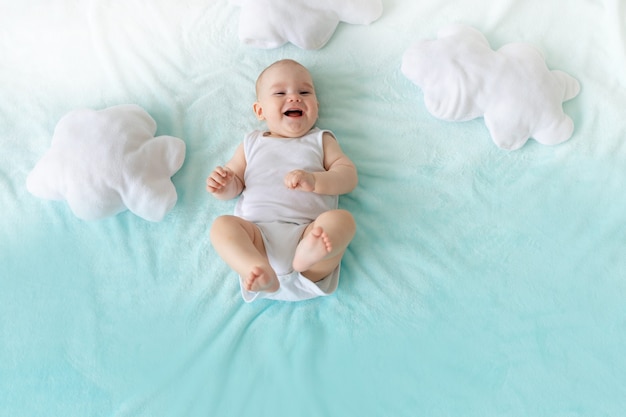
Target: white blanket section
104	162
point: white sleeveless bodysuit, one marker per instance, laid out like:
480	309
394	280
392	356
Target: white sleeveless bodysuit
280	213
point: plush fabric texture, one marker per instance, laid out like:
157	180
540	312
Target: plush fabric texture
306	24
512	88
104	162
480	282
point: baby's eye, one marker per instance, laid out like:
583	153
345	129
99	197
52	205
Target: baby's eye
279	93
305	93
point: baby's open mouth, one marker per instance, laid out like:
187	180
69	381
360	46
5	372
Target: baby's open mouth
293	113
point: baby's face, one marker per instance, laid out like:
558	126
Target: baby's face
287	100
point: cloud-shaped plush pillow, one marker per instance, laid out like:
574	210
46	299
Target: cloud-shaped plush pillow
305	23
104	162
512	88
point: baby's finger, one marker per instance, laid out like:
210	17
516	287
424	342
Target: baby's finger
226	173
218	179
291	180
212	185
218	172
219	175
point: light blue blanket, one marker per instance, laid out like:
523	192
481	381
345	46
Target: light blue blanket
481	282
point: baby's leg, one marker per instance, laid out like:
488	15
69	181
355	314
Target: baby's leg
240	244
323	244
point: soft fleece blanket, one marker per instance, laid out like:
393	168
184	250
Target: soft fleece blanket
481	282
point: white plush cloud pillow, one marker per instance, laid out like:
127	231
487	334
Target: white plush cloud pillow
305	23
512	88
104	162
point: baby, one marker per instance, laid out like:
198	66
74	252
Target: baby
287	236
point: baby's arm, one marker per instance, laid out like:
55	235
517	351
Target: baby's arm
340	176
227	182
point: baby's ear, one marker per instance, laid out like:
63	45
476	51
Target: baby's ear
258	110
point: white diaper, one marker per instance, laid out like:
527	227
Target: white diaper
280	241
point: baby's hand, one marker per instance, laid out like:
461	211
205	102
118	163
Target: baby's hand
300	180
219	179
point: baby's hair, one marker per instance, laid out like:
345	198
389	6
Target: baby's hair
279	62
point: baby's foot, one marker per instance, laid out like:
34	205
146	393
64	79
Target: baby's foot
260	279
312	248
